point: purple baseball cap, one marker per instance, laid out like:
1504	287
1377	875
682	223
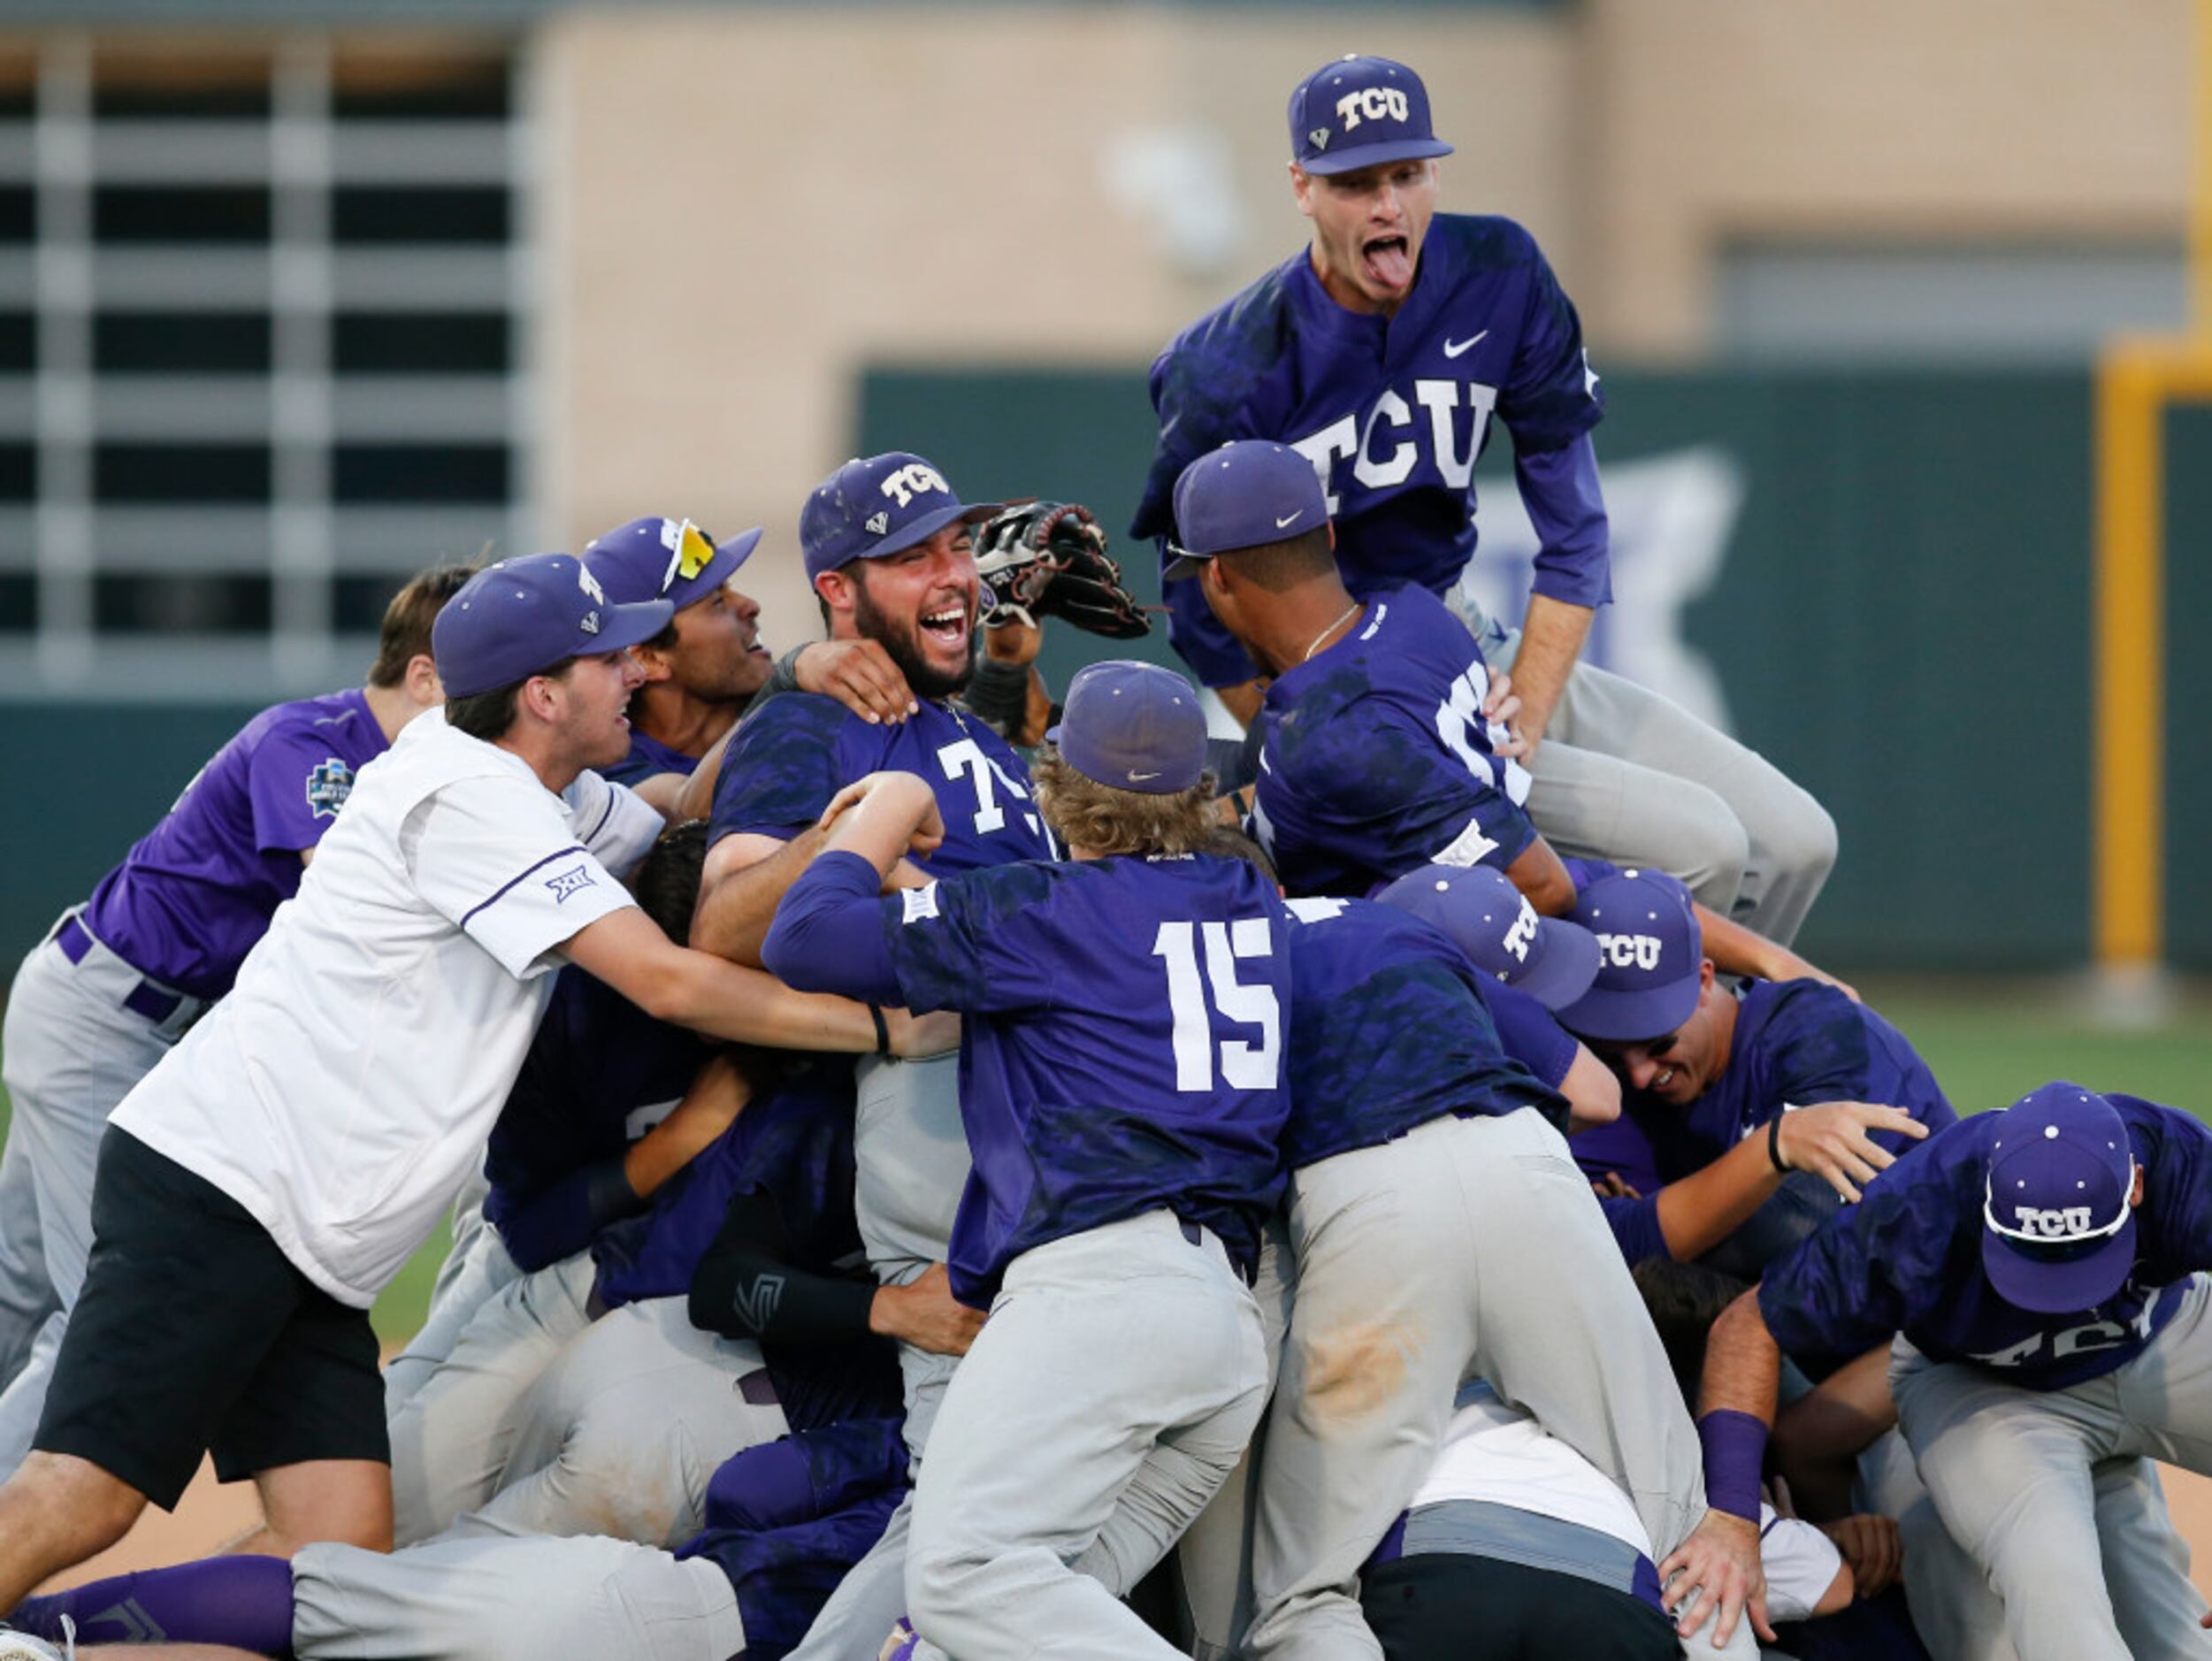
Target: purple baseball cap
2058	1233
1650	950
1358	112
519	617
1244	494
665	559
878	505
1551	960
1134	726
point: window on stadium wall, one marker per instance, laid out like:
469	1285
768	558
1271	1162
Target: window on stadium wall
263	352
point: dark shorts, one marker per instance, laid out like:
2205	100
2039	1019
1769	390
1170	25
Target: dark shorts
1450	1606
194	1334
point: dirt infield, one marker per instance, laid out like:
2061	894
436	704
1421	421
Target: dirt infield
213	1514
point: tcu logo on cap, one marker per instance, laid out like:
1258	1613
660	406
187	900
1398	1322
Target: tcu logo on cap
1523	931
1629	951
2061	1224
1371	104
910	480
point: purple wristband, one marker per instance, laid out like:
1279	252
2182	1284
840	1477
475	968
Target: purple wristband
1736	1447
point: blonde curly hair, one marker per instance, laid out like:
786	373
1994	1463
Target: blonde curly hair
1103	819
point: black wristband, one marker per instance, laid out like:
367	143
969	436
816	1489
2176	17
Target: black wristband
883	1029
1775	1144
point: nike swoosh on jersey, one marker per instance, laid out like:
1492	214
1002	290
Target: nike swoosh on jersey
1453	348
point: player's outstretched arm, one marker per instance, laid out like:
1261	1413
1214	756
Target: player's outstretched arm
1542	880
726	1000
739	888
1742	1372
1818	1437
1736	949
1832	1140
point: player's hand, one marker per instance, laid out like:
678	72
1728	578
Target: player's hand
1717	1569
860	675
1502	709
913	1036
1613	1185
1873	1548
925	1314
1833	1140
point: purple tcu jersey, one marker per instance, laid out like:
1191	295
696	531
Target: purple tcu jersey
1795	1043
798	750
1392	412
646	757
1121	1045
599	1074
1908	1258
195	895
1391	1027
1375	758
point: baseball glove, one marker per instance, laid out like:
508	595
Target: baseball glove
1048	559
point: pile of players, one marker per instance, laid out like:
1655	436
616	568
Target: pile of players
933	1185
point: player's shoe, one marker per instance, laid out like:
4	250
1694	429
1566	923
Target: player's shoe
900	1646
20	1646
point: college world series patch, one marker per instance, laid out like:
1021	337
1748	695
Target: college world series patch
329	782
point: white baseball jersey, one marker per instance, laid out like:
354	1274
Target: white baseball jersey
343	1091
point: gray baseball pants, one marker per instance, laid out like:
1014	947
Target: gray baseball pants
624	1427
1625	775
475	1270
72	1052
1122	1370
503	1597
2027	1482
1961	1619
454	1435
1467	1246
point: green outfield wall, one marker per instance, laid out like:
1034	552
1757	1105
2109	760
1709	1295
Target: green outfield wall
1897	614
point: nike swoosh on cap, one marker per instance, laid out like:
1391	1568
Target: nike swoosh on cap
1136	778
1300	514
1453	348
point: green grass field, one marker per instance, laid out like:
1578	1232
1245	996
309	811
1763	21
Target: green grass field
1989	1043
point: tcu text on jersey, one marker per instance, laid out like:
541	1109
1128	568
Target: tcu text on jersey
1380	460
2093	1335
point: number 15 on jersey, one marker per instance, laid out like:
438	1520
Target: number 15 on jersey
1195	995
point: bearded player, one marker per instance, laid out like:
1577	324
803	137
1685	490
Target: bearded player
1381	351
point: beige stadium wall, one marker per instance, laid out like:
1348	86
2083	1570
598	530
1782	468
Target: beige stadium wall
742	208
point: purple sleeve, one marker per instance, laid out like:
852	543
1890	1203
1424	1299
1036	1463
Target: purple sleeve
1635	1226
1560	490
827	936
1527	1032
297	783
1582	872
562	1219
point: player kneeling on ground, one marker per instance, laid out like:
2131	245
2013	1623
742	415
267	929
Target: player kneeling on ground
2043	1270
1121	1071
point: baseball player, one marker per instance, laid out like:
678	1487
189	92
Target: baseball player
1422	1194
1382	743
2042	1270
1749	1115
701	670
889	548
1124	1156
277	1169
782	1521
1380	353
118	980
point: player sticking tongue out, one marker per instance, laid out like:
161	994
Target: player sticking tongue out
1366	174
